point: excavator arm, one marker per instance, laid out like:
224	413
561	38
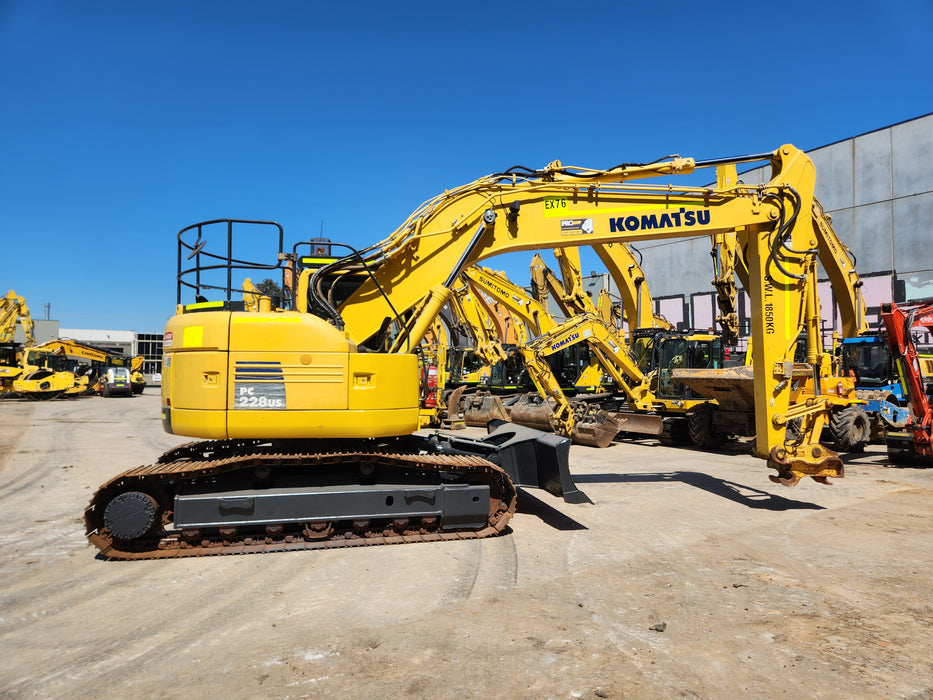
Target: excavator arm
470	311
729	260
561	206
384	298
544	283
12	309
626	272
611	353
529	311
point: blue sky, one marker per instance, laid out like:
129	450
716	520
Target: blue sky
123	122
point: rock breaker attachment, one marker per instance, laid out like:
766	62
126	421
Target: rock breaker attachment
479	409
813	460
530	457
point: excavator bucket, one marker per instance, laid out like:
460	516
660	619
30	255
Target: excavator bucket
592	426
530	457
641	423
596	429
532	411
732	387
479	409
452	414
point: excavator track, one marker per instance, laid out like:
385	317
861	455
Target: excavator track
140	502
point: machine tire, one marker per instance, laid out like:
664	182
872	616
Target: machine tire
675	432
850	428
700	427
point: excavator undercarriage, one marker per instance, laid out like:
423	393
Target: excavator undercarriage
242	496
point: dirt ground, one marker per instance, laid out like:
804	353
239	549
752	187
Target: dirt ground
689	575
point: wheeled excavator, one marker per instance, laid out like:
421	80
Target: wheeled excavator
306	415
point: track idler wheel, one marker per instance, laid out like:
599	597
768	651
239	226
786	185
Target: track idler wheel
131	515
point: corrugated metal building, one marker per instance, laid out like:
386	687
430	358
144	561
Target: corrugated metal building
878	188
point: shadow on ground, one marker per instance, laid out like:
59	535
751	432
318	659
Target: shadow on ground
739	493
530	504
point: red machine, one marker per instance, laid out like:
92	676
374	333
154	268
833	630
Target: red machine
898	320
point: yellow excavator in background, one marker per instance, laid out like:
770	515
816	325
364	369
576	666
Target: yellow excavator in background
626	271
107	383
31	371
574	370
309	413
654	404
41	375
12	309
474	363
567	290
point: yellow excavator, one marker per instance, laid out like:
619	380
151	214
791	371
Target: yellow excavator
42	375
474	362
32	371
114	374
308	414
573	370
815	380
654	404
567	291
13	309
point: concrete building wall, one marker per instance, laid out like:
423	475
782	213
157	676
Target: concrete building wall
123	341
43	330
878	189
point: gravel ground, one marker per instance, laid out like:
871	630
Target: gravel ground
690	575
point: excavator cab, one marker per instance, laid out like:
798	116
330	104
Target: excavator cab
868	361
663	351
